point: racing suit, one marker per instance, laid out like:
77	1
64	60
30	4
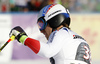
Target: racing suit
63	47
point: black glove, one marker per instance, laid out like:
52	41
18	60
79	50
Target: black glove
18	32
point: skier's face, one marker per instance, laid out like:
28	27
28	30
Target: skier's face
44	28
47	31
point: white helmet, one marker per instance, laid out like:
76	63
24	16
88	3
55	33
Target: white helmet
55	15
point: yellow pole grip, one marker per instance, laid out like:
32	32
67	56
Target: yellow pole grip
12	37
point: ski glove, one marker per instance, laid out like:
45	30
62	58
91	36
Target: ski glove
19	34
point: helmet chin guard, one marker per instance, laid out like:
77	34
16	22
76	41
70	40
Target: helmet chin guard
55	15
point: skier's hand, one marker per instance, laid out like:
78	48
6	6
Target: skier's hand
19	33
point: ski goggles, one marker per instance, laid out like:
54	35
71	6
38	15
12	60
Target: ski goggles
41	24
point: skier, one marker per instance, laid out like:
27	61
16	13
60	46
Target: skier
64	46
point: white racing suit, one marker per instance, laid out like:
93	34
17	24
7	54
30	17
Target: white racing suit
65	47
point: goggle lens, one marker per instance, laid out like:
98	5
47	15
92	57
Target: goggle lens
41	24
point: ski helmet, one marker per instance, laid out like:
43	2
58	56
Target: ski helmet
54	14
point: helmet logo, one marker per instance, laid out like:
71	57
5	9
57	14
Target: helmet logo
54	13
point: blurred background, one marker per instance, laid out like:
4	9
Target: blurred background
85	20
